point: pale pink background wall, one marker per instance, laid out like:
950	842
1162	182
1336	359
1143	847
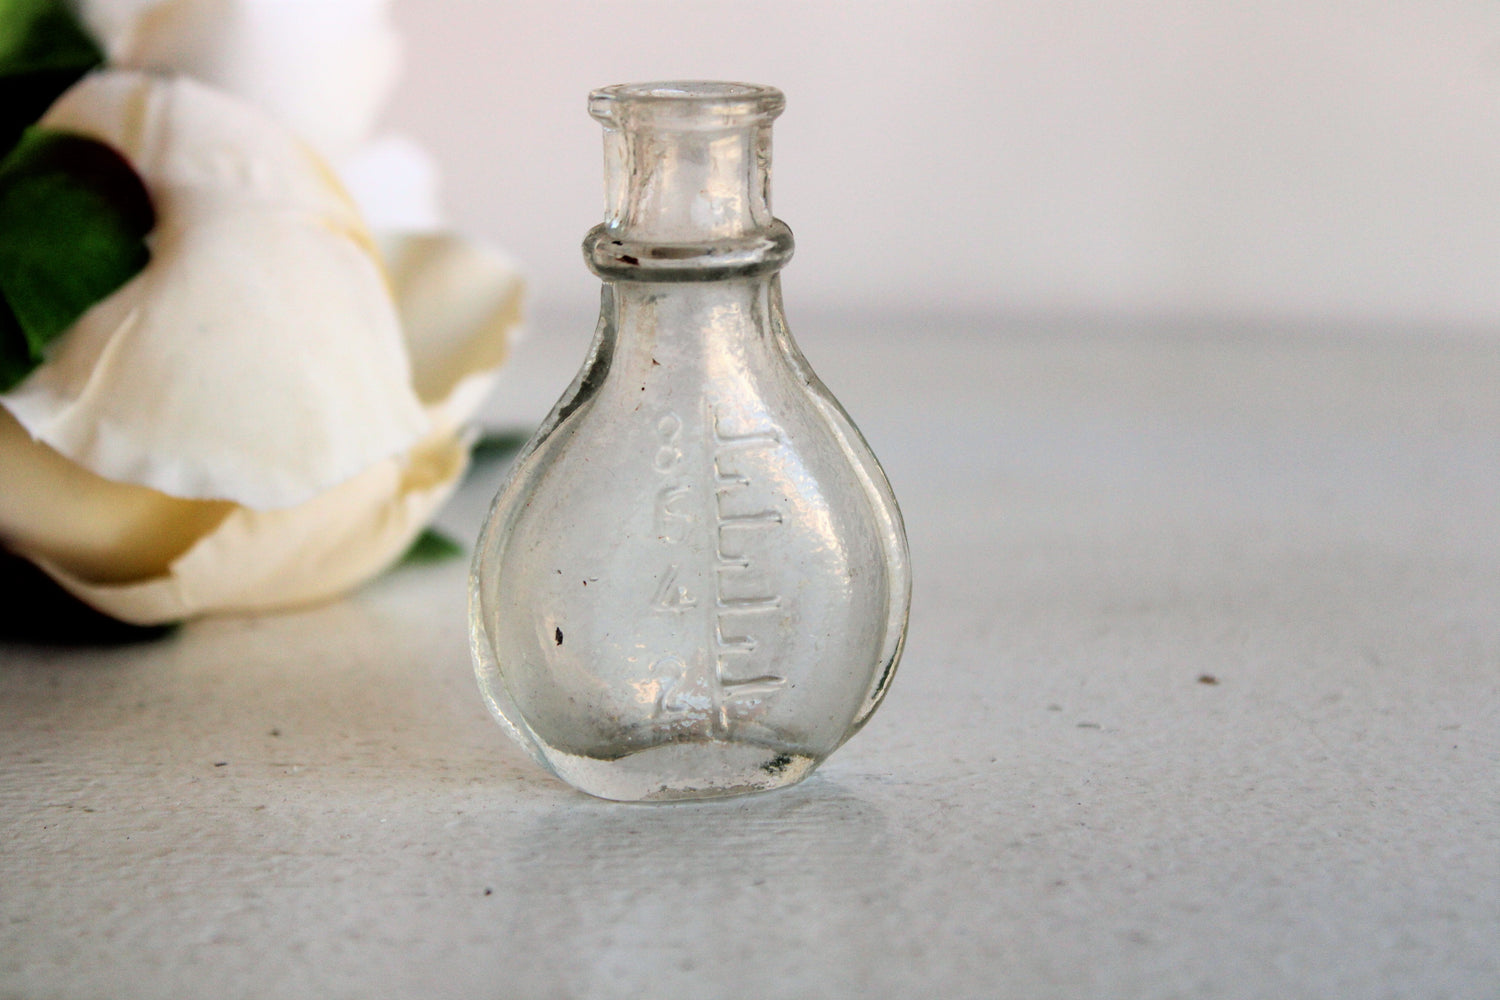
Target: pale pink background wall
1314	160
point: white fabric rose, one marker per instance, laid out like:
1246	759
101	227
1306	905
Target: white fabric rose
273	409
264	287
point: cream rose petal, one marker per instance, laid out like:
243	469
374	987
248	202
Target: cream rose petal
323	67
269	560
460	303
86	525
259	358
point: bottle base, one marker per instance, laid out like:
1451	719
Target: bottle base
678	771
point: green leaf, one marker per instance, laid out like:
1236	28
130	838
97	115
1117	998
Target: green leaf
15	352
43	52
432	546
73	222
500	444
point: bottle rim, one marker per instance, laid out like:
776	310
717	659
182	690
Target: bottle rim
707	101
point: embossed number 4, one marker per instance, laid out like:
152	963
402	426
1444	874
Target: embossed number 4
672	596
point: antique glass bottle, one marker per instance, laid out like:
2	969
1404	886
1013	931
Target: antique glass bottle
695	582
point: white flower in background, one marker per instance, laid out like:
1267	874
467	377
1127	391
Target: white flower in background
274	408
323	68
263	320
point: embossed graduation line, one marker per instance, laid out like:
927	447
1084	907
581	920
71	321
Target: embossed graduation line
730	698
748	691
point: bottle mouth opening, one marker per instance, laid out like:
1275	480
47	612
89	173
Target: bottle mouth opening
686	103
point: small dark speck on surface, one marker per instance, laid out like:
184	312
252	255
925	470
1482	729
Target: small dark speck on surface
1207	679
629	259
488	891
1089	725
222	763
557	634
776	764
655	363
1054	708
275	732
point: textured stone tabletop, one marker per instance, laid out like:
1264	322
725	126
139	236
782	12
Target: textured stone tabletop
1201	699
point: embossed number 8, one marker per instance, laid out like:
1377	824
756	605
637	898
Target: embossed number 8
668	429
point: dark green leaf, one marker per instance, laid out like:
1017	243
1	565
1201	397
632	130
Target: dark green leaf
498	444
432	546
15	353
73	222
43	51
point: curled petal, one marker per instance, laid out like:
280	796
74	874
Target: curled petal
268	560
259	357
87	526
200	150
460	304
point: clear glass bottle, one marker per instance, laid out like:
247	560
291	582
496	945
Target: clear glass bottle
695	581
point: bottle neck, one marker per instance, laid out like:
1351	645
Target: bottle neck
674	186
686	162
687	183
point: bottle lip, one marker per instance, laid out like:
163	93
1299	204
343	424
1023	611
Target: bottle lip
688	103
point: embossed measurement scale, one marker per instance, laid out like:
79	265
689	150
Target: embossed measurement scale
695	582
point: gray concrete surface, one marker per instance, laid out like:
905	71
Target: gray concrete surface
1202	699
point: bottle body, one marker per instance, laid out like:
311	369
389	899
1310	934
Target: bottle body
695	582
